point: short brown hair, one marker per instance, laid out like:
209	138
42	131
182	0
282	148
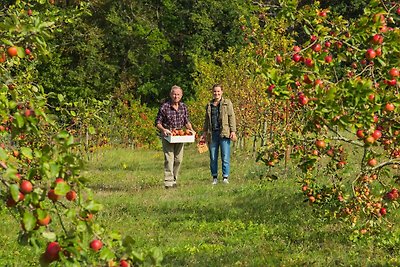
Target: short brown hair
217	85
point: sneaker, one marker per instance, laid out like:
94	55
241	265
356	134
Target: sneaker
215	181
225	180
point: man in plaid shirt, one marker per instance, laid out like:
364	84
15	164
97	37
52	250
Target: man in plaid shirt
173	114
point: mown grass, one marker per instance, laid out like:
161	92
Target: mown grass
253	221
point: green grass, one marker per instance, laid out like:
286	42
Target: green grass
249	222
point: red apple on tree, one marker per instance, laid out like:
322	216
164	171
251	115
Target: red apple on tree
338	44
71	195
328	58
124	263
96	245
309	62
383	211
375	118
389	107
370	54
306	79
12	51
44	221
318	82
360	133
372	162
320	144
296	48
296	58
53	196
52	250
369	140
303	100
316	47
377	39
26	187
328	44
378	52
340	164
393	72
371	97
377	134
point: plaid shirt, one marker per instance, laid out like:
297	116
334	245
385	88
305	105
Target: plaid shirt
171	118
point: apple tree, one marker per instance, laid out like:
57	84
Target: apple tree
338	79
40	181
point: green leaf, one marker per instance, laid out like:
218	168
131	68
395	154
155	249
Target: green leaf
106	254
41	214
92	130
54	169
7	42
14	190
3	154
38	153
306	30
27	152
51	236
29	221
63	135
137	256
20	120
157	256
93	206
70	140
62	188
81	227
115	236
383	63
21	52
60	97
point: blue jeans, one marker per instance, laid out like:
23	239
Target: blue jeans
225	144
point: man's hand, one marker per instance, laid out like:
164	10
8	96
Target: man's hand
166	132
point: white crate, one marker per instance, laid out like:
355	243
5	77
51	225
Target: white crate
179	138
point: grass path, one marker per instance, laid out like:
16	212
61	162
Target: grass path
249	222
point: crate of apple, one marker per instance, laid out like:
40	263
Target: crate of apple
180	136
